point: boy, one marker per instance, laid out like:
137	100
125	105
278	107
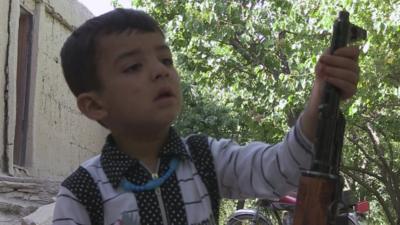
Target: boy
121	71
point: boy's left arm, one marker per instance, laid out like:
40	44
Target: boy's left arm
342	71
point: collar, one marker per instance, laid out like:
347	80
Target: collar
116	163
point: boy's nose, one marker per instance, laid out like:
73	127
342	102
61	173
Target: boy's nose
160	71
161	75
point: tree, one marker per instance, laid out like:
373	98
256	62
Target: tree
251	63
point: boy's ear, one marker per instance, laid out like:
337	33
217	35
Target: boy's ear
90	105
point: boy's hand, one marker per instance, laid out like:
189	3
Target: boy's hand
342	71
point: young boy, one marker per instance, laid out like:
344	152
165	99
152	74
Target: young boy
121	71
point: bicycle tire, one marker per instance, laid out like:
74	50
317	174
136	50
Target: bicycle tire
247	217
352	219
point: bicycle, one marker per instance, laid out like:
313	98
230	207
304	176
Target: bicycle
281	212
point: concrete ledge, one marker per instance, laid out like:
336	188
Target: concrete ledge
26	200
42	216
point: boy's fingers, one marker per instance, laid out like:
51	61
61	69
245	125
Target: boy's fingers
351	52
340	69
346	89
340	62
348	76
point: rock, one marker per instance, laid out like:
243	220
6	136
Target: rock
42	216
17	185
6	189
10	208
34	198
29	190
22	197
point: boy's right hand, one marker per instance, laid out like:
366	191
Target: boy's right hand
342	71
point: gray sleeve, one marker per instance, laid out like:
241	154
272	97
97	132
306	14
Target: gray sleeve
260	170
68	210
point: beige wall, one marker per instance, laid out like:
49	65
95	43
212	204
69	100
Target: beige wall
7	81
60	138
3	44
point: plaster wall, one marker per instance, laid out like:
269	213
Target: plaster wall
8	62
59	136
3	57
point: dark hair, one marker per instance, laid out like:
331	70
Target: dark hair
78	55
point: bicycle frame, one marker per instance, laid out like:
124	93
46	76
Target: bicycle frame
286	206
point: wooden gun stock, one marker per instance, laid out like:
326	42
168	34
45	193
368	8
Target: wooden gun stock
314	200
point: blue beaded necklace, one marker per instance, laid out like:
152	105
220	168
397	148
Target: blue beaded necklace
153	184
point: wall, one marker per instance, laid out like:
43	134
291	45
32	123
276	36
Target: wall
3	47
59	136
8	62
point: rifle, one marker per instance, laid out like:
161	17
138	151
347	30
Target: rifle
320	188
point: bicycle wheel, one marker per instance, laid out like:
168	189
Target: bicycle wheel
352	219
347	218
248	217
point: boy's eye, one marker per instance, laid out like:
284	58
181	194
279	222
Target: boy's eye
167	61
132	68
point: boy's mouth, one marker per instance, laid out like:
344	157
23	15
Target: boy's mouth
164	93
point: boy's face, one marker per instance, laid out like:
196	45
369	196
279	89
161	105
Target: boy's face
140	86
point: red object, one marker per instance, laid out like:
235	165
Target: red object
362	207
288	200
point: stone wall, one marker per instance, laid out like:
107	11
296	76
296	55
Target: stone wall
59	136
20	197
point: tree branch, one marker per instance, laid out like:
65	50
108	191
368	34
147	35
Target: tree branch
238	46
366	155
377	195
393	182
363	171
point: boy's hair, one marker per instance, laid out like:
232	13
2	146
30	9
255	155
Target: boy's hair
79	53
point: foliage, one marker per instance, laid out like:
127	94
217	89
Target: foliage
247	68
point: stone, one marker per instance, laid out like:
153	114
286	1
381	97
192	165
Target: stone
42	216
34	198
18	185
6	189
29	190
